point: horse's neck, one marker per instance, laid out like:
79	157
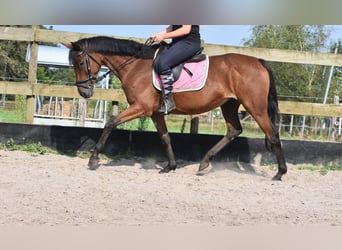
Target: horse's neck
114	62
126	66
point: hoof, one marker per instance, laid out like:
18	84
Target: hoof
167	169
277	177
202	166
93	163
203	169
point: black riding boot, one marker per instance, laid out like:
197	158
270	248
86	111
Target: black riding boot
167	103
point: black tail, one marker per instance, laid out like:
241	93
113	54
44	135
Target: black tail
272	107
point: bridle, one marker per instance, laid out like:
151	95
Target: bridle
91	80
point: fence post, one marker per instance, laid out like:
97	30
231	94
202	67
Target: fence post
115	108
291	125
194	124
83	111
334	122
32	76
303	128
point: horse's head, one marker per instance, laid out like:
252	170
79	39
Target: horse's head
86	68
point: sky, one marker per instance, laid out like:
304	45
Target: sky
215	34
232	35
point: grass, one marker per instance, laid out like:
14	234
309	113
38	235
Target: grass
11	116
38	148
323	170
29	147
181	124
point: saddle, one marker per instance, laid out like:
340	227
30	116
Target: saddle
177	70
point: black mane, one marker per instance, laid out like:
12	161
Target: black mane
109	45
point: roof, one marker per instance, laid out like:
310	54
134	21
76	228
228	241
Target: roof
49	55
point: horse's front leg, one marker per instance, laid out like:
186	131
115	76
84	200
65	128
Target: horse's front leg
94	159
129	114
160	125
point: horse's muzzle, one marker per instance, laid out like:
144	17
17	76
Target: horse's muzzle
85	92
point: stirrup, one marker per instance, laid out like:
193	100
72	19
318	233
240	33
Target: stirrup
167	105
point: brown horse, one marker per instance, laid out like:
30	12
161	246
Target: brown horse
233	79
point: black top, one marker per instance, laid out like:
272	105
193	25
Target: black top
193	36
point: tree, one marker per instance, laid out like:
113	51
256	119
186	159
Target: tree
295	81
302	82
335	87
13	66
53	75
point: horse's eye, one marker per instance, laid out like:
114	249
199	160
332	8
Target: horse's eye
81	63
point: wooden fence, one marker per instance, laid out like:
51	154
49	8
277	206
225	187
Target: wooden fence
35	35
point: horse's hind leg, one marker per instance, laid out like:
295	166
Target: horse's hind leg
230	114
272	137
277	150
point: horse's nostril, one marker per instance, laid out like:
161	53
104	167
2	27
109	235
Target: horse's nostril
83	94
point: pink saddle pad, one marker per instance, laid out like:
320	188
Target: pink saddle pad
187	82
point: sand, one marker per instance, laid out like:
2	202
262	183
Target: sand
53	189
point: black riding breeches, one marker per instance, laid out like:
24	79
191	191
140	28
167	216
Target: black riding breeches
176	54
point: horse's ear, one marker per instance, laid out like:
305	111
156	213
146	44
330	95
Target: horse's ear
73	46
76	46
68	45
